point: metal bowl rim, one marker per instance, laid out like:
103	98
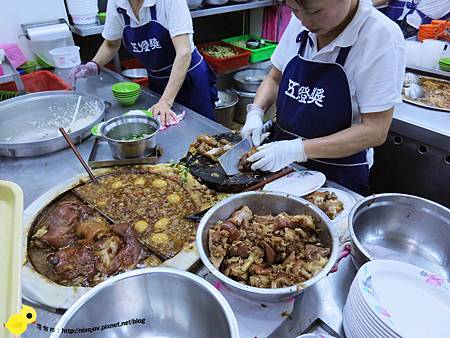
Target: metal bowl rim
231	319
129	141
266	291
236	75
38	143
232	103
352	213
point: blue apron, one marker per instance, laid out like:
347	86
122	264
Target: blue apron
395	10
314	100
152	45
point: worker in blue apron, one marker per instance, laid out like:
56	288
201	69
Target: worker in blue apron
151	42
337	75
331	113
411	14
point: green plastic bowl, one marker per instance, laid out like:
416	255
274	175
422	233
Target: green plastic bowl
101	17
127	102
125	87
127	94
445	61
29	66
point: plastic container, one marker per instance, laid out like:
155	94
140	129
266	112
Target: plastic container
258	54
11	211
39	81
84	19
101	18
223	65
66	57
431	53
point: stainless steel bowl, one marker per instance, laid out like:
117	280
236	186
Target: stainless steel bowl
264	203
216	2
225	108
135	73
401	227
122	127
162	302
194	4
248	80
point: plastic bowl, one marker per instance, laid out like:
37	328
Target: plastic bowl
101	17
125	87
66	57
29	66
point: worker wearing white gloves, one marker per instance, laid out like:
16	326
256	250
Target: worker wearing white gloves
337	75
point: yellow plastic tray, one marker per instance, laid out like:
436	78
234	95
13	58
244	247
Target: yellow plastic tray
11	210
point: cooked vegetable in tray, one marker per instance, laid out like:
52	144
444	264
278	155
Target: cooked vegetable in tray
220	52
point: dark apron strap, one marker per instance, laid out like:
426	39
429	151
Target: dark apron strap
126	18
342	56
153	13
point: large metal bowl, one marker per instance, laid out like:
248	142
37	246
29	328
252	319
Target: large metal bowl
263	203
122	127
401	227
155	302
248	80
29	123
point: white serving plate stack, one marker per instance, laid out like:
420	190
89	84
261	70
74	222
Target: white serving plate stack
393	299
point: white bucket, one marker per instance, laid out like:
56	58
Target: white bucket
84	19
66	57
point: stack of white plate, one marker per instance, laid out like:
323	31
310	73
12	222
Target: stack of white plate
395	299
83	12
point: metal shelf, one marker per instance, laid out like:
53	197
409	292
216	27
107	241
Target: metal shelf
228	8
96	28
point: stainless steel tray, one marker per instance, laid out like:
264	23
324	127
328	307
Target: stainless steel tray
29	123
101	156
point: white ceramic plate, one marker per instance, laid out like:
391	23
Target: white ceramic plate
411	301
298	183
348	200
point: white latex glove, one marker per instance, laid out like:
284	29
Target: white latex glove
252	128
80	71
278	155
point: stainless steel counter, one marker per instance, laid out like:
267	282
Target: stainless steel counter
318	309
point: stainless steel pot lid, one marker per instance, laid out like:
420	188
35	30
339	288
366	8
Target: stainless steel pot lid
36	117
226	99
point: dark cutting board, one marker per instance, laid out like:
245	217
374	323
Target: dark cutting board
213	176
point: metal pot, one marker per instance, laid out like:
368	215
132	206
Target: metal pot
194	4
29	123
245	98
158	302
225	108
248	80
216	2
401	227
120	128
264	203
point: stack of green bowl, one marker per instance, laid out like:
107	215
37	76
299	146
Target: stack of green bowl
126	93
444	64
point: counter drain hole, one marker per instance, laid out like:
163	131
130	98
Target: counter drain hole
447	159
398	140
422	149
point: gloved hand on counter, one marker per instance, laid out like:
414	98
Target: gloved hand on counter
253	126
278	155
89	69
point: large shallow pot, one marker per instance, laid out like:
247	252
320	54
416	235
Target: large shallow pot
263	203
29	123
155	302
401	227
117	130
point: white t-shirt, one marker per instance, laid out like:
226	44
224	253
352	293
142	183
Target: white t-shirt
173	15
435	9
375	65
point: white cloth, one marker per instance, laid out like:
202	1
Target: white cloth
375	66
435	9
173	15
